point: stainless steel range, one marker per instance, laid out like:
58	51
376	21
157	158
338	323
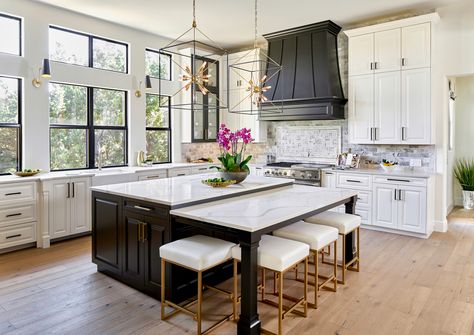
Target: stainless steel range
302	173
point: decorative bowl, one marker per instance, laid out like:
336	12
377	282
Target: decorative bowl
237	176
389	168
27	173
224	183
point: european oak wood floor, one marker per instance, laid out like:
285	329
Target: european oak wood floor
406	286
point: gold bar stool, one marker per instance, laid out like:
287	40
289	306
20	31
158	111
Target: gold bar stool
279	255
345	224
197	253
317	237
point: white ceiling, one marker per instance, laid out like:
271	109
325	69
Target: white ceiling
231	22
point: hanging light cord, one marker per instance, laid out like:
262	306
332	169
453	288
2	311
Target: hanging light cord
256	31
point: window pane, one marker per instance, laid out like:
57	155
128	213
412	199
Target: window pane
10	29
68	47
111	145
68	148
157	145
8	149
109	107
109	56
153	67
8	100
156	116
67	104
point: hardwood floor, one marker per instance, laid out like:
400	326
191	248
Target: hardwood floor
406	286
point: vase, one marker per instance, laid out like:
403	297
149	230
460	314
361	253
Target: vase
468	199
237	176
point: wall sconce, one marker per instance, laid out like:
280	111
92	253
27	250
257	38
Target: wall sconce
44	72
138	93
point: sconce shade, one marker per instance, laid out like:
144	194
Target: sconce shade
46	70
147	82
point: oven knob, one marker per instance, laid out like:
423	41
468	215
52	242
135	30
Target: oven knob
293	174
284	173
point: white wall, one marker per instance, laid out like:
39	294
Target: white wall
36	19
464	126
453	56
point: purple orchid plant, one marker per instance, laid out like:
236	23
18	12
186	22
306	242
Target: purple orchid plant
232	154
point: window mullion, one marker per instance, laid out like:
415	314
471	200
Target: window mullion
90	126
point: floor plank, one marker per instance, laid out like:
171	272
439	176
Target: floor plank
406	286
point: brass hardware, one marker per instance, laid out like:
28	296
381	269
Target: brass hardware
142	208
144	232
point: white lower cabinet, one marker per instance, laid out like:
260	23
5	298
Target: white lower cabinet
400	207
67	206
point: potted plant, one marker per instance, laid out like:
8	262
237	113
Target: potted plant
232	155
464	173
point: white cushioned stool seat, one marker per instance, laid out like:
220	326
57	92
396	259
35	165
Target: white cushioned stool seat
315	235
197	252
276	253
345	223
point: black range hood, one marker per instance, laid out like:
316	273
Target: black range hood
309	84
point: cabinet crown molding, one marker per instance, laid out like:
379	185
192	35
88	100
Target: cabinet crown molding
431	17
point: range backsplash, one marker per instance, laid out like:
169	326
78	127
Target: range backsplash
375	152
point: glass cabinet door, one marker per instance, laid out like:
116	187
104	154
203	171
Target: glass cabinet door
198	118
212	118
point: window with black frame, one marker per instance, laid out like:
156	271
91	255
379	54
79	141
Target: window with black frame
88	127
10	28
157	64
10	124
158	128
87	50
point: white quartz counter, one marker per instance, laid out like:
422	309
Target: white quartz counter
257	211
398	172
96	172
188	189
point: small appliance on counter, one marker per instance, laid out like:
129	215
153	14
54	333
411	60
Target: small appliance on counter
302	173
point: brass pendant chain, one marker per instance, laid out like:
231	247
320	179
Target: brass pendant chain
256	15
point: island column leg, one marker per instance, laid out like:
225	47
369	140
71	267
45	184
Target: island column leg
249	322
350	238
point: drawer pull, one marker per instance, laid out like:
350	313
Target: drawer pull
328	173
202	169
181	174
403	180
10	215
353	181
13	193
12	236
142	208
152	177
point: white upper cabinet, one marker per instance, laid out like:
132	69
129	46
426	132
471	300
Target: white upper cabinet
390	82
361	108
416	46
387	55
416	106
387	108
361	54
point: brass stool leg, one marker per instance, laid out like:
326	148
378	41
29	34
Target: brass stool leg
316	279
306	287
199	300
358	249
235	297
275	276
343	259
280	303
335	266
163	285
263	283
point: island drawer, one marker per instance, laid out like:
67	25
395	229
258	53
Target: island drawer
179	172
17	214
157	174
354	181
12	193
145	209
17	235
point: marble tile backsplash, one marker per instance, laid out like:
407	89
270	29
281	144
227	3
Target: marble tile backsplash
192	151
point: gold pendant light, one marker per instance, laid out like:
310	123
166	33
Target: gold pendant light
257	70
196	56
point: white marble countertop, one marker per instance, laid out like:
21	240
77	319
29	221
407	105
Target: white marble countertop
188	189
98	173
399	172
260	210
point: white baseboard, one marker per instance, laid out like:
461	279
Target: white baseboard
440	226
395	231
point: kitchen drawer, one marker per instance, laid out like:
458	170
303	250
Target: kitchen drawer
179	172
364	198
17	214
401	181
364	214
13	193
17	235
152	175
201	169
354	181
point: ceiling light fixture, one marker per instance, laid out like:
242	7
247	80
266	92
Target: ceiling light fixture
197	57
255	68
